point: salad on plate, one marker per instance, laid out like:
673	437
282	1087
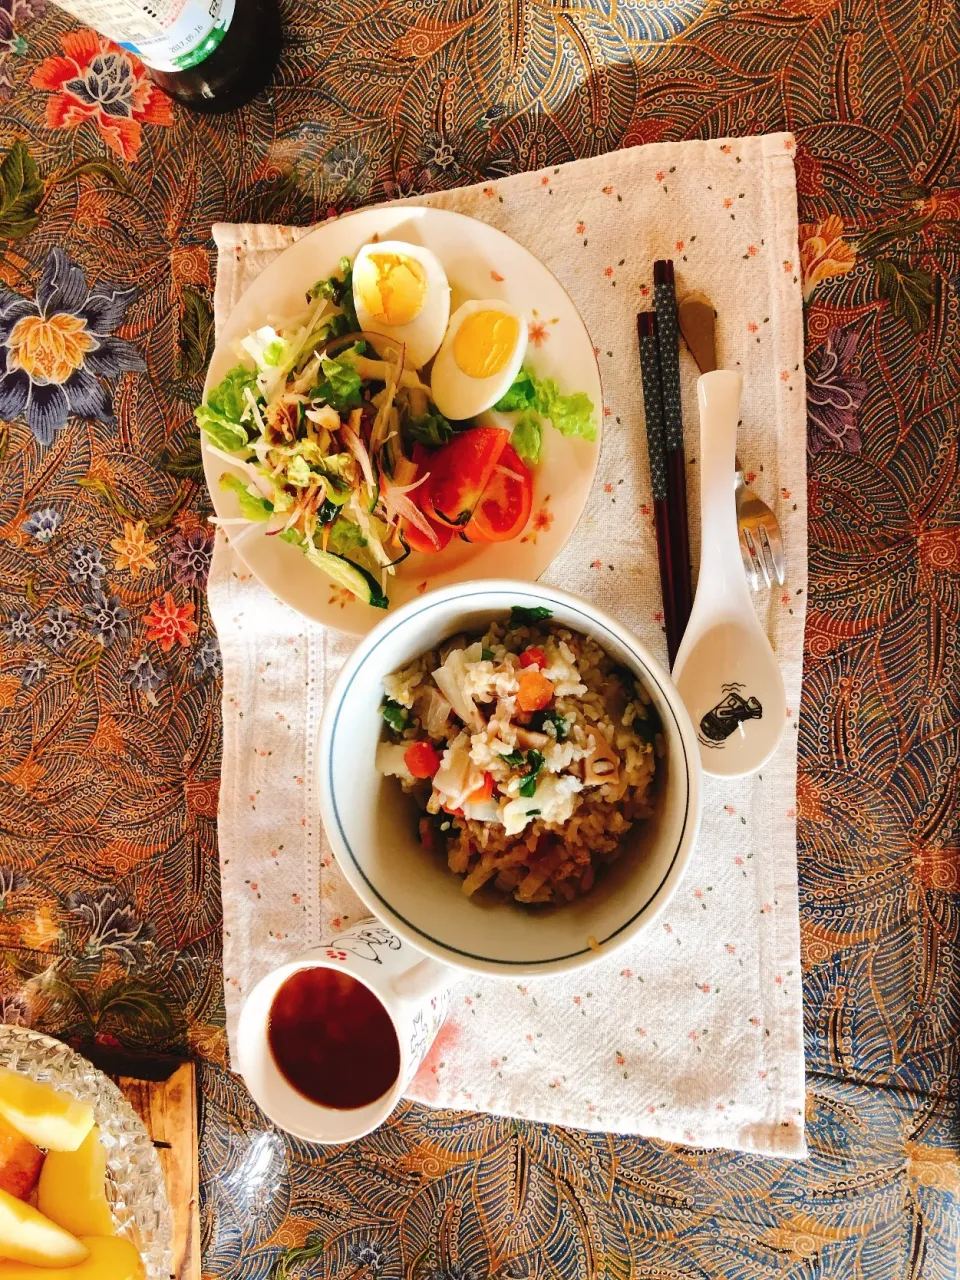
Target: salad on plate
380	426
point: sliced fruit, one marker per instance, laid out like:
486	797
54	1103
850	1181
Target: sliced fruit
20	1162
503	508
27	1236
72	1191
108	1258
459	472
418	541
44	1115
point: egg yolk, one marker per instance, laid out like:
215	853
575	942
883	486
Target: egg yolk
391	286
485	342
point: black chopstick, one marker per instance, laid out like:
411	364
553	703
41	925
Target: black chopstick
653	415
668	347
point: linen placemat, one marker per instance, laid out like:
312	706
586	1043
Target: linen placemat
693	1033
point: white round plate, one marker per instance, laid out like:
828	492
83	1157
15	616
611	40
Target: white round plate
480	262
135	1187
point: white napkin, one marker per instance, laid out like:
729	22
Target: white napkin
693	1033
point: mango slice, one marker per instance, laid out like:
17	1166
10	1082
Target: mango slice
44	1115
72	1190
20	1162
27	1236
109	1258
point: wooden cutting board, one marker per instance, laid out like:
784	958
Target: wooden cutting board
168	1107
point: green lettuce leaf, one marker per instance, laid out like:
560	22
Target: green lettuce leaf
572	415
221	416
225	435
342	387
521	394
252	506
427	428
526	438
339	290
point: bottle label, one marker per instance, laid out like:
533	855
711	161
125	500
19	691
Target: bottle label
170	35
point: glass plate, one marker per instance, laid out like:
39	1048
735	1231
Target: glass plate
135	1185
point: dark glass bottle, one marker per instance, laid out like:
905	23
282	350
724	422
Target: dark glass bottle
237	69
211	55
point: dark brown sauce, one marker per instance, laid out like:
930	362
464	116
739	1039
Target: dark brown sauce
332	1039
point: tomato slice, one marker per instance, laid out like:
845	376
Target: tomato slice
505	503
460	470
416	540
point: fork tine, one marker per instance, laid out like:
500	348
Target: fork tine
775	542
749	561
766	553
759	560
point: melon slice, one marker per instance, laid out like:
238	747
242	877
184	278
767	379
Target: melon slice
72	1190
44	1115
109	1258
27	1236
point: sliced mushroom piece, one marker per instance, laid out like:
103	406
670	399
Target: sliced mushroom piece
531	740
602	764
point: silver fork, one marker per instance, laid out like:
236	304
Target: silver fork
761	545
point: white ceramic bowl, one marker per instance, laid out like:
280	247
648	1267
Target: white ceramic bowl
372	826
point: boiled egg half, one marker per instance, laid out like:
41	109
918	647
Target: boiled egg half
400	290
479	359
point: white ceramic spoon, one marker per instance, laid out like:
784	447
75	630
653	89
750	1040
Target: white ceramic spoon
725	669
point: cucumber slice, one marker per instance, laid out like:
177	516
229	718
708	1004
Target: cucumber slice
349	575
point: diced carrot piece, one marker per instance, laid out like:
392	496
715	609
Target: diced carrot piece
422	759
533	657
534	691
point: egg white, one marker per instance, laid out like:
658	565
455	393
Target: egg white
454	392
423	334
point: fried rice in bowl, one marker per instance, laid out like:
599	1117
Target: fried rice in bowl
508	778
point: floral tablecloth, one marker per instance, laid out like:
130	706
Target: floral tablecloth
109	734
